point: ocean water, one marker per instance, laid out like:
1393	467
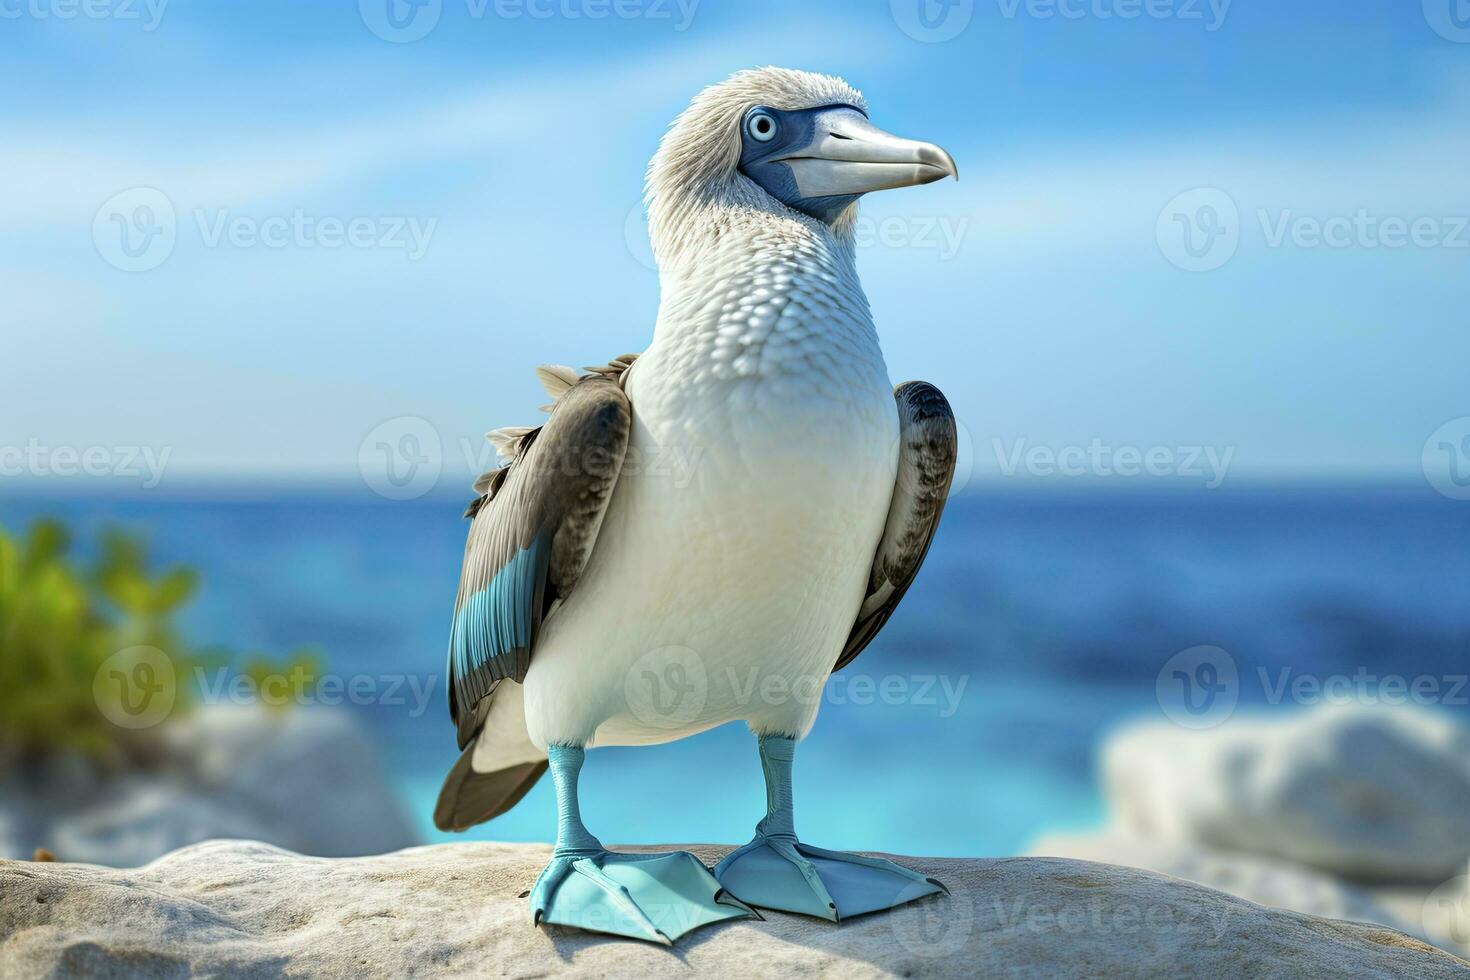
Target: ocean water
1043	618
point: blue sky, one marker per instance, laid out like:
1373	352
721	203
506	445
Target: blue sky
1042	292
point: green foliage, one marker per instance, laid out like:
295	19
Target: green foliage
64	629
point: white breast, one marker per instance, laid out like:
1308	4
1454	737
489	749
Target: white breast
738	543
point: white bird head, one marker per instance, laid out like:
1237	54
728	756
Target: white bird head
789	143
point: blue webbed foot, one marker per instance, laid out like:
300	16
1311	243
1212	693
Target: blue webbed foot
783	873
777	871
657	897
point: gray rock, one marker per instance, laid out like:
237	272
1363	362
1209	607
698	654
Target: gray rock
137	820
307	779
9	844
246	909
310	777
1366	793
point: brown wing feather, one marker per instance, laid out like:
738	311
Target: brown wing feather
533	528
928	449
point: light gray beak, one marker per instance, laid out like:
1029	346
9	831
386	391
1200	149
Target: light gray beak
854	157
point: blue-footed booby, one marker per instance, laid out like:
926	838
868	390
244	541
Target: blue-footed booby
812	489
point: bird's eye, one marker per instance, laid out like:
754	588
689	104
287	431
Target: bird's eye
761	126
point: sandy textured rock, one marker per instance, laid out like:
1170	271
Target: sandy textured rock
1367	793
1438	914
1266	881
245	909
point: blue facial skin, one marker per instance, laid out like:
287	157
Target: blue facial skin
794	132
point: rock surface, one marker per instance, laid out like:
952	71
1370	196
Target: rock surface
1371	794
1278	884
231	908
307	779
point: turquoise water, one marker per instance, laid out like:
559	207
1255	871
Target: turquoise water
1049	614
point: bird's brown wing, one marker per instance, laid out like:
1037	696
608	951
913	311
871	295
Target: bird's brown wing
928	449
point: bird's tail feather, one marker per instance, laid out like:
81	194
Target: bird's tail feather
498	766
471	797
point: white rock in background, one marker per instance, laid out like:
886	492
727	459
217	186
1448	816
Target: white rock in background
136	821
311	776
9	845
233	908
1373	794
307	779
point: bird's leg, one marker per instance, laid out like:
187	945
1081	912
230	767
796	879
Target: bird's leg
657	897
778	871
573	840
